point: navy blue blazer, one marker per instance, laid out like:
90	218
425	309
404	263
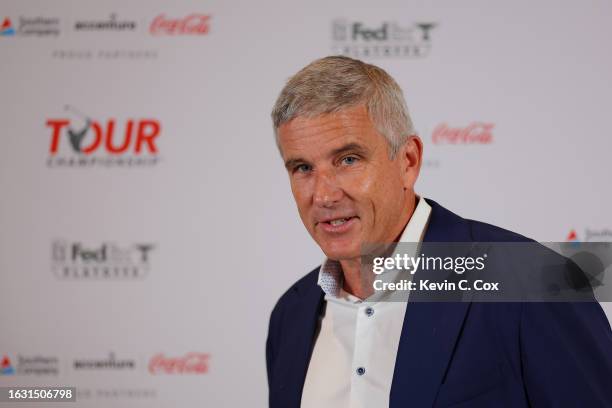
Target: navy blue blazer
463	354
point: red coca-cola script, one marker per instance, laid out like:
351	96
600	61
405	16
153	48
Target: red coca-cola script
193	24
474	133
191	363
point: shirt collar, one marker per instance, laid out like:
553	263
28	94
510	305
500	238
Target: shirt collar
330	274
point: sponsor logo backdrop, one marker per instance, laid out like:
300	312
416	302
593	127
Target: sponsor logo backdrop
147	226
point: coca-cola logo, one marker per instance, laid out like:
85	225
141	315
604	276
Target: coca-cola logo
474	133
193	24
191	363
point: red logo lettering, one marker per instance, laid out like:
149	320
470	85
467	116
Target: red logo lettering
191	363
194	24
111	137
474	133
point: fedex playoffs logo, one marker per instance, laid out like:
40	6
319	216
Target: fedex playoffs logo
81	141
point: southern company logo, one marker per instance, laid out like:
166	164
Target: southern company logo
107	261
30	365
31	26
7	28
593	256
6	368
83	141
384	39
590	235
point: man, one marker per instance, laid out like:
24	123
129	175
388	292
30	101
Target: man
353	159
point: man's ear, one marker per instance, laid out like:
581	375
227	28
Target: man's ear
411	155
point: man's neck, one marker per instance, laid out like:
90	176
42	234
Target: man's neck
355	282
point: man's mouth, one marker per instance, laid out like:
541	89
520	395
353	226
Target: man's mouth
339	221
337	225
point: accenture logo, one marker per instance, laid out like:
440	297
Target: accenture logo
81	141
474	133
110	363
112	24
385	39
192	24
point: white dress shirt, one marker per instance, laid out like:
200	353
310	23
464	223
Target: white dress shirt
354	352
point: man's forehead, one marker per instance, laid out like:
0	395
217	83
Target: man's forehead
327	132
345	118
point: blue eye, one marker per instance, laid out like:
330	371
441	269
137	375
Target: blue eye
349	160
303	168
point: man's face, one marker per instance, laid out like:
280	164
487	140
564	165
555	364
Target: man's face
347	189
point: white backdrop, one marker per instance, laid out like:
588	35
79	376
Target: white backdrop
150	282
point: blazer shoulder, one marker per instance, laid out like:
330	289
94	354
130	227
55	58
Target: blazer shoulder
483	232
446	226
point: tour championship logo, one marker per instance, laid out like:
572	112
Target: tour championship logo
30	26
359	39
190	363
474	133
192	24
104	261
82	141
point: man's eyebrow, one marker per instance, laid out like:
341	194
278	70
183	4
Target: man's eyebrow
291	163
350	147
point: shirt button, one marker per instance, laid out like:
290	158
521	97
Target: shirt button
360	371
369	311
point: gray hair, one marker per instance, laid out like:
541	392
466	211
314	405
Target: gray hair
331	84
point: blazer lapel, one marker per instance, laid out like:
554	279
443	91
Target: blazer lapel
430	329
296	351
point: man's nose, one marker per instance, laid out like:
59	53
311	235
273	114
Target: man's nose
327	192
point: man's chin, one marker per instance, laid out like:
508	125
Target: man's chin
342	254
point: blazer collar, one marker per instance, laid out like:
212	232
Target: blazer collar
430	329
300	332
